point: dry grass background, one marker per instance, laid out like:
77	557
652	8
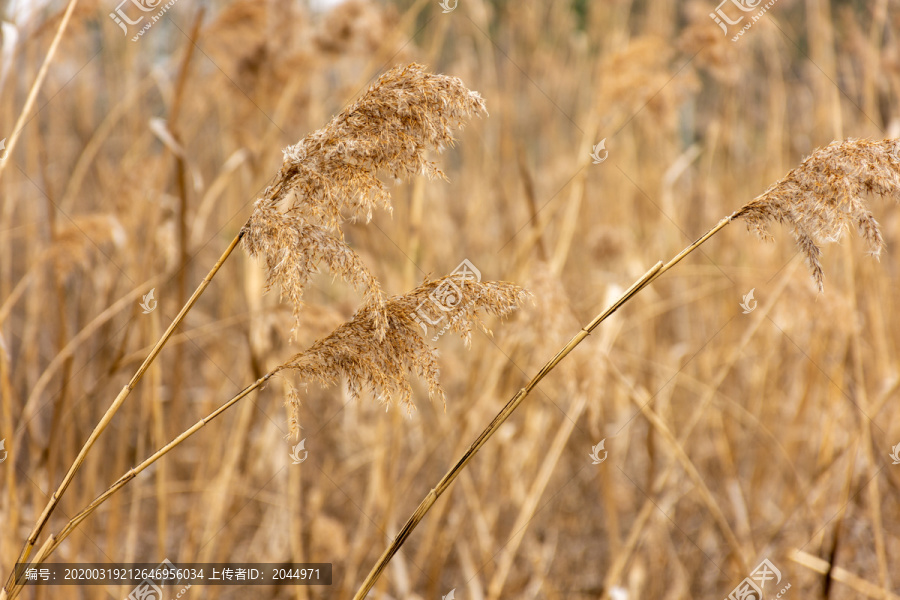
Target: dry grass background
732	437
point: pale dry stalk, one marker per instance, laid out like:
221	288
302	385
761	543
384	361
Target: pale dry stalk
489	431
349	351
819	199
38	83
328	176
104	422
841	575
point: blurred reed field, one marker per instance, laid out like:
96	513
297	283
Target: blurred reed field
731	435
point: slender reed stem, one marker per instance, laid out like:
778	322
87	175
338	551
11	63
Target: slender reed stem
514	403
38	83
55	540
181	179
111	411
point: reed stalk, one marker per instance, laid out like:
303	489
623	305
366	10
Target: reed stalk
820	198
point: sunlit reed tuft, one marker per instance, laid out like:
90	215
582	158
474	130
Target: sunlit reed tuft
383	367
332	175
825	195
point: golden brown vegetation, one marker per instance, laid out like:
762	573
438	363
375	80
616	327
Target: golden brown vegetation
331	175
731	437
826	195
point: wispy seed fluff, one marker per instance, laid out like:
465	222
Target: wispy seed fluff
384	367
331	176
826	194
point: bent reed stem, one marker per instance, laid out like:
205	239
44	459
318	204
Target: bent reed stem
111	411
14	586
442	485
55	540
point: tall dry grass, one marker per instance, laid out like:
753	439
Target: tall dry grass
731	436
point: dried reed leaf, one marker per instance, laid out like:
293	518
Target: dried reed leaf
826	194
383	367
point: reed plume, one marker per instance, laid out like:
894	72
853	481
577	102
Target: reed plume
825	195
383	367
331	175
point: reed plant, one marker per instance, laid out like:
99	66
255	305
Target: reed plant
330	176
819	200
731	436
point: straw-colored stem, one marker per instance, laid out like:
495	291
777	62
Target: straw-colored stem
504	414
514	403
181	179
38	83
841	575
55	540
614	572
113	408
530	504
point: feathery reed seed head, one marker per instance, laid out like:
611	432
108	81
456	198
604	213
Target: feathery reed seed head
383	366
292	247
404	114
332	175
825	195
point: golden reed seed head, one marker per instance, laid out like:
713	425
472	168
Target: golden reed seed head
332	175
403	115
826	194
383	367
292	248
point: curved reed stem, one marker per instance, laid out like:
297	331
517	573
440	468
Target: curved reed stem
442	485
110	412
55	540
335	178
